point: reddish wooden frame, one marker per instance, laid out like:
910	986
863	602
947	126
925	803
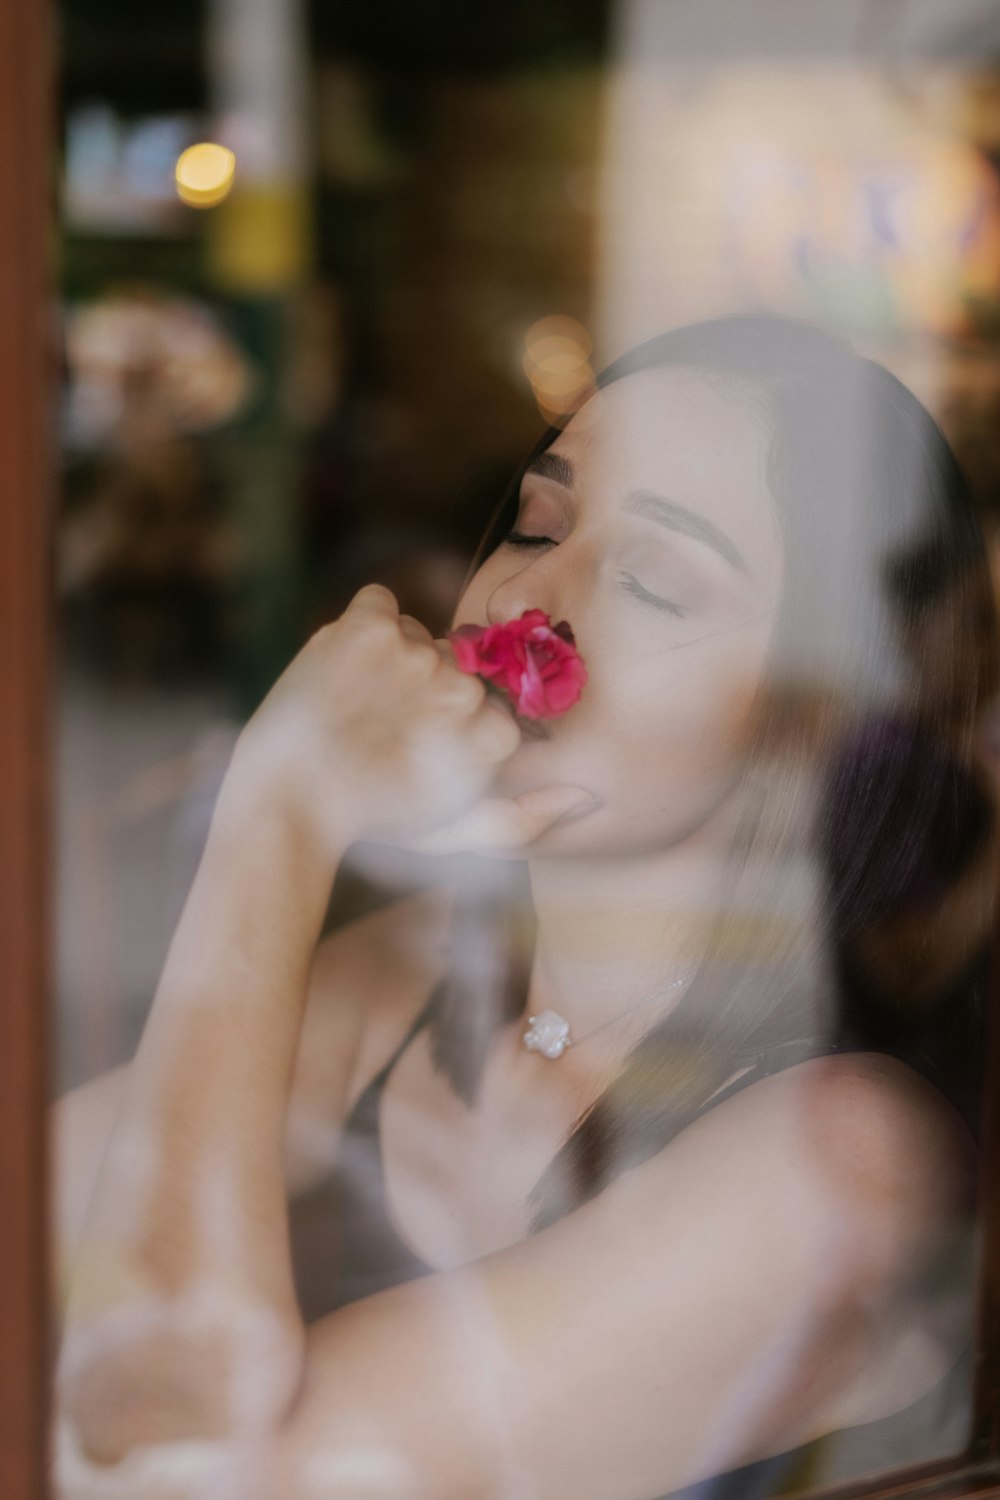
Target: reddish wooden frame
27	107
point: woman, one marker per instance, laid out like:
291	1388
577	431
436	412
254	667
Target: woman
727	1221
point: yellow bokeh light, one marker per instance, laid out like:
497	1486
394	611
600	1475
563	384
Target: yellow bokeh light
556	347
204	174
560	327
559	383
556	361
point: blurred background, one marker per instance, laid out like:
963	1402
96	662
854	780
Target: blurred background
327	271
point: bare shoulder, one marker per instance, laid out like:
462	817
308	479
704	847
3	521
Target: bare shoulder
367	981
882	1123
882	1148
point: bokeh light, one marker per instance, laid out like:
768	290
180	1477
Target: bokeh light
204	174
556	361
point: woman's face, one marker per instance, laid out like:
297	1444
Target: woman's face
654	534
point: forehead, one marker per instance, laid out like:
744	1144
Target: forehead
691	438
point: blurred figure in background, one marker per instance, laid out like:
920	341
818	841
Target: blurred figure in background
147	551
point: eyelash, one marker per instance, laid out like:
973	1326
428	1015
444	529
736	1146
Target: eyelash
629	583
518	539
635	587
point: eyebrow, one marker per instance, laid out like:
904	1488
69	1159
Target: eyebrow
654	507
553	466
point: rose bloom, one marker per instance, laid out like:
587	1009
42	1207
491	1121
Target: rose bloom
534	662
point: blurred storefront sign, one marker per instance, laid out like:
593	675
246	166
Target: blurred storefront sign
823	190
905	238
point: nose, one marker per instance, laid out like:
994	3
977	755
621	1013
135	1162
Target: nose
501	610
529	588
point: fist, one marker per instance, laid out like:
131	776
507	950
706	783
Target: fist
373	731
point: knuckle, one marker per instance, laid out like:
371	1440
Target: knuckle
421	660
376	627
512	736
465	692
382	628
502	734
412	628
375	595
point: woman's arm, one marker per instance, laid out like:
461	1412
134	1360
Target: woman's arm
727	1300
182	1319
183	1275
399	949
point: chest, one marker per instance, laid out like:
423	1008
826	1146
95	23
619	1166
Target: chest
457	1179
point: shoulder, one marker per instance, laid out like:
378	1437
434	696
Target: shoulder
860	1140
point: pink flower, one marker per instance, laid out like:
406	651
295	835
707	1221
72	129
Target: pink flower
534	662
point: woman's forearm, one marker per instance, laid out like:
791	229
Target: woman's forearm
183	1285
182	1319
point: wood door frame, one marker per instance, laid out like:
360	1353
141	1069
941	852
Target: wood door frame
27	370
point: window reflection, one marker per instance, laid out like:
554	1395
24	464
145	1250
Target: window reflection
754	265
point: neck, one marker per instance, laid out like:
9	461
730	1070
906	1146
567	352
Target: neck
614	933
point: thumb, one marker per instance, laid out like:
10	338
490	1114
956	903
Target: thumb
506	822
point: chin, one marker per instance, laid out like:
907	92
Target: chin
577	836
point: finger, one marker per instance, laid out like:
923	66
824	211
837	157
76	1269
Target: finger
446	652
493	733
496	823
375	597
414	631
460	693
449	661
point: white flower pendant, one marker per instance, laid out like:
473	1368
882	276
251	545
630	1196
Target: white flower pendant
548	1033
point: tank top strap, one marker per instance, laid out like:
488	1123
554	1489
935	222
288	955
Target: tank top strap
768	1062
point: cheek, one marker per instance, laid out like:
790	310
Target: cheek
687	718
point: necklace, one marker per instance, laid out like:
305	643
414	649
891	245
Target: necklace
548	1032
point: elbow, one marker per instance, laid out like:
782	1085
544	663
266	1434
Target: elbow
181	1369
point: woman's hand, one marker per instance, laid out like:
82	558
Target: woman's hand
373	732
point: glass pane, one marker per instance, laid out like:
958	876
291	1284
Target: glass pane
592	1001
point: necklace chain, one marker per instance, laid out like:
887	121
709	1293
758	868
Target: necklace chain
548	1032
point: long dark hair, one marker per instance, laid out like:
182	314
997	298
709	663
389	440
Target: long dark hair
861	769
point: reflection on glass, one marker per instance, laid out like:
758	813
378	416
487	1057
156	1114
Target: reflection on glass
466	1093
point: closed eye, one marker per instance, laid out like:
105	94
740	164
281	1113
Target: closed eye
629	582
635	587
519	539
